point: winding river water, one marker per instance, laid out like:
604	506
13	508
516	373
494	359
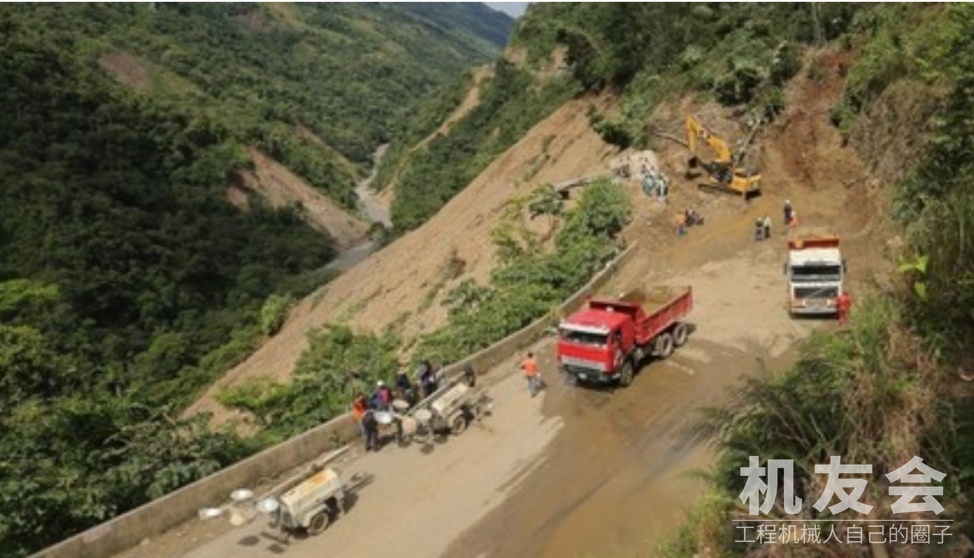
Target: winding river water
371	209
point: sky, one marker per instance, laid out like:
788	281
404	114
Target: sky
513	9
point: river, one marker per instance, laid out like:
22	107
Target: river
371	209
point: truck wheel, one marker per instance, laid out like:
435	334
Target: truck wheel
664	345
319	523
625	376
458	424
680	334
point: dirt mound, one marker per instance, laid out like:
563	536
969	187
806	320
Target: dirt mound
280	187
127	69
403	284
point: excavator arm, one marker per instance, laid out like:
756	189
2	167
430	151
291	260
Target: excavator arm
696	130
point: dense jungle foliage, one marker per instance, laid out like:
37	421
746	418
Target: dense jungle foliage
350	74
127	281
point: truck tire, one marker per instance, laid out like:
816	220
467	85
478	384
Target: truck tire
319	523
458	424
664	345
625	375
680	334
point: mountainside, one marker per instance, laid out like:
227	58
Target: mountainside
841	106
132	273
346	75
149	234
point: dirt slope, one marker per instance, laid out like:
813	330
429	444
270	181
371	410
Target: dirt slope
280	187
402	284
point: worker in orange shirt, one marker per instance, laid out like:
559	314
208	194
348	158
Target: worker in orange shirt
844	303
359	407
532	373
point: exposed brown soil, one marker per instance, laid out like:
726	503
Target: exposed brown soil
403	284
280	187
127	69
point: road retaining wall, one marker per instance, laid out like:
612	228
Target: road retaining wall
156	517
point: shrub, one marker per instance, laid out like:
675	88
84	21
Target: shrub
274	312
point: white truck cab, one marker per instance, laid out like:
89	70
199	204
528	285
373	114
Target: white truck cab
815	271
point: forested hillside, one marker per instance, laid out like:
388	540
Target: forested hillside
127	279
346	75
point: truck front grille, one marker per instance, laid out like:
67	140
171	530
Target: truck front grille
581	364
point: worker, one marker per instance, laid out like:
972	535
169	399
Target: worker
663	187
381	397
766	225
529	367
371	427
758	229
681	225
788	212
427	378
649	186
359	408
469	375
844	304
406	389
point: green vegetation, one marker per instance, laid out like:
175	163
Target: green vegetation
337	365
741	54
350	74
529	281
127	280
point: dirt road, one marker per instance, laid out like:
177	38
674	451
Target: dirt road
572	471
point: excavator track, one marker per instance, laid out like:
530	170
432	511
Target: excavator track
718	188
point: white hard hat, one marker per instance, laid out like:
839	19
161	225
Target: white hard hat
379	383
788	202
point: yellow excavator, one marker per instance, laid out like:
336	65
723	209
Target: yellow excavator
724	175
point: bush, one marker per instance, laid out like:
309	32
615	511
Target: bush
274	312
739	85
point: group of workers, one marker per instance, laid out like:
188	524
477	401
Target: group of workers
655	184
687	219
429	380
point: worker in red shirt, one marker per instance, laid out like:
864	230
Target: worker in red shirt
844	303
532	373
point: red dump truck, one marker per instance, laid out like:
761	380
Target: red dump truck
608	339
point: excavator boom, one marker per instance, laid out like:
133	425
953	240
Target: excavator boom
696	130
